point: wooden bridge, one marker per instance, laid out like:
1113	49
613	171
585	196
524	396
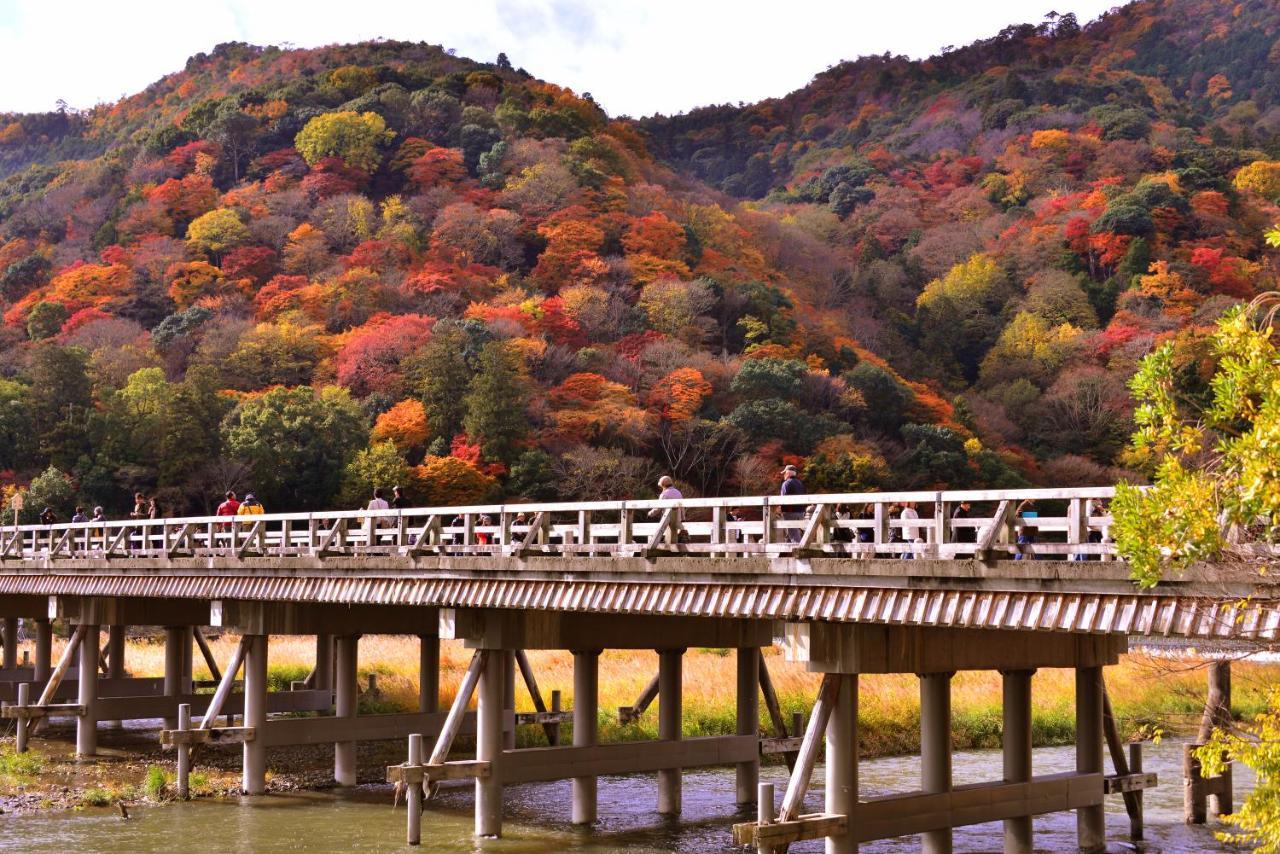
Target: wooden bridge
842	582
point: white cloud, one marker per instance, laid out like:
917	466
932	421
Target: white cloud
634	57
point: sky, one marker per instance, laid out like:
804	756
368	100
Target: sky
636	57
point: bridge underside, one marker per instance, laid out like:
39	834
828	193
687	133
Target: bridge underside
843	617
1043	596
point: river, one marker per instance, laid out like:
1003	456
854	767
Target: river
537	817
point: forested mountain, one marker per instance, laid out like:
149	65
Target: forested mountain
308	272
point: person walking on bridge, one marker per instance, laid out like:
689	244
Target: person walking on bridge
669	492
250	506
791	485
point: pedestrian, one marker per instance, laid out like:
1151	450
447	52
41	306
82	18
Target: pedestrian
250	506
398	500
737	516
48	517
520	521
79	516
153	509
378	502
669	492
1026	536
139	506
230	506
867	533
963	533
910	533
791	485
99	515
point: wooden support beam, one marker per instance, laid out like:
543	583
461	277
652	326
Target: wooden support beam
531	682
1118	760
207	653
224	687
460	769
64	663
798	785
219	735
50	710
629	714
780	833
1126	784
453	722
775	712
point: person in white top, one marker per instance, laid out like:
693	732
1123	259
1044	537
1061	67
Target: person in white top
669	491
910	534
380	503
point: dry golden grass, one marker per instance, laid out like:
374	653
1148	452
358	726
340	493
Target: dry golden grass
1144	691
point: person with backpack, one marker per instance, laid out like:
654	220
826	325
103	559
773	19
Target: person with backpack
250	506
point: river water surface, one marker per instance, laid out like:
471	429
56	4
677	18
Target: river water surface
537	817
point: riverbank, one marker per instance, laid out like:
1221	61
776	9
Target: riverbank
1149	695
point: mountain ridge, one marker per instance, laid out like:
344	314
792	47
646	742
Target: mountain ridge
390	264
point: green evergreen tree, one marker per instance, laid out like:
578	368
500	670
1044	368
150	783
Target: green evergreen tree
495	405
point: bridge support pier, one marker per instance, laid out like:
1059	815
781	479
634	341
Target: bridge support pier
177	676
324	663
1091	830
254	757
586	722
344	752
44	650
115	660
935	749
842	762
748	773
87	722
428	673
508	698
10	643
1017	753
670	720
489	739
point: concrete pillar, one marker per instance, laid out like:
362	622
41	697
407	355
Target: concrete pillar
188	654
184	753
670	720
44	651
324	662
842	761
586	722
115	660
1091	830
173	647
508	699
935	749
489	708
87	723
428	673
748	773
344	752
10	643
254	758
1017	753
413	794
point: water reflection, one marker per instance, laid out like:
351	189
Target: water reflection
538	817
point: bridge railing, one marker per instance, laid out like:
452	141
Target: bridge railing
1064	524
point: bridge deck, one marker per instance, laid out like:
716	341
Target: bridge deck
797	558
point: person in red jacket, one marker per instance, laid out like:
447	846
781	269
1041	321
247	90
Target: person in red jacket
230	507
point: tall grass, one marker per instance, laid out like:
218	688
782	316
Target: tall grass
1145	692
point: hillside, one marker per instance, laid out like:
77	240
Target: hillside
308	272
